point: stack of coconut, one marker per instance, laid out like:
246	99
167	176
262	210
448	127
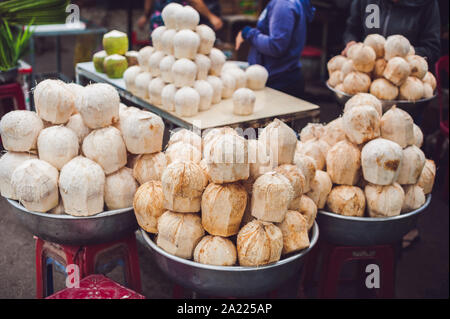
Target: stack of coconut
184	73
115	58
225	200
369	160
387	68
71	156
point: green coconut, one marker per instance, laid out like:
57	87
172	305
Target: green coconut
115	42
98	60
114	66
132	58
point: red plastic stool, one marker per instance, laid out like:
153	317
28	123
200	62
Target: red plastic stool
97	287
13	90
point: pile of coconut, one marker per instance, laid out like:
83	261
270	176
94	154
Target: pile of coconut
370	164
75	154
225	200
387	68
185	74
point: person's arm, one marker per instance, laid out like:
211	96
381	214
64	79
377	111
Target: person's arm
353	29
147	11
429	44
201	7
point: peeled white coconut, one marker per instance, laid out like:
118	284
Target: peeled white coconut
378	69
344	163
76	90
212	134
154	61
414	198
346	69
184	72
364	99
426	179
258	159
57	145
185	44
120	188
228	85
411	89
124	113
311	131
397	70
54	101
141	84
308	167
157	37
207	38
305	206
383	89
168	97
356	82
411	166
398	126
183	152
165	67
217	61
143	132
347	201
430	79
167	40
169	14
143	57
361	124
186	18
148	205
376	42
335	78
396	46
205	91
216	84
215	250
259	243
294	228
149	167
320	188
203	65
243	101
381	160
316	149
58	210
384	201
187	102
186	136
334	132
35	184
256	76
8	163
239	75
418	65
427	91
335	63
130	75
295	176
363	57
155	88
179	234
418	136
222	208
183	184
19	130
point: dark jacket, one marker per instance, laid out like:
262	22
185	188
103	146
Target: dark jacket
417	20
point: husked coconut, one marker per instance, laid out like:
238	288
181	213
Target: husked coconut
203	65
222	208
217	61
383	89
295	176
317	149
157	37
430	79
378	69
280	141
414	198
76	90
256	76
229	65
120	188
308	167
141	84
183	152
35	185
320	188
427	91
426	179
179	234
381	160
204	166
131	57
396	46
398	126
334	132
57	145
205	91
186	44
20	130
397	70
169	14
167	40
143	57
243	101
347	201
384	201
239	75
149	167
411	166
168	97
311	131
361	124
207	38
184	72
212	134
155	88
363	57
216	84
376	42
335	78
335	63
294	228
187	102
411	89
143	132
58	210
271	195
183	184
418	136
347	68
148	205
165	67
418	66
187	18
8	163
228	85
215	250
129	76
344	163
361	99
186	136
356	82
305	206
54	101
124	113
258	159
259	243
153	63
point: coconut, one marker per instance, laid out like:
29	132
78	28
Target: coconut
363	57
334	132
149	167
215	250
187	102
256	76
427	91
115	65
418	66
383	89
120	188
207	38
384	201
204	166
184	72
143	57
239	75
169	14
344	163
155	88
361	99
157	37
183	152
129	76
132	58
316	149
361	124
229	65
217	61
335	78
212	134
165	68
411	166
187	18
280	141
98	58
311	131
216	84
376	42
115	42
397	70
141	84
106	147
154	61
259	243
167	40
294	228
430	79
168	97
186	136
143	132
356	82
320	188
54	101
381	160
305	206
295	176
426	179
347	68
411	89
183	184
378	69
222	208
186	44
412	51
308	167
398	126
179	234
35	184
271	195
258	159
148	205
203	66
124	113
57	145
8	163
414	198
19	130
347	201
418	136
243	101
228	85
336	63
58	210
205	91
396	46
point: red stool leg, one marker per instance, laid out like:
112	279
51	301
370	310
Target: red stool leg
133	269
337	257
39	269
18	95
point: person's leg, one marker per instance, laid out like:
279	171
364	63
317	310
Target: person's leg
292	84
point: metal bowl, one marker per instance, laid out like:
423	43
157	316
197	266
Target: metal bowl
233	281
77	231
367	231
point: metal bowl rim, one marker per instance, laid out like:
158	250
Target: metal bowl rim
315	236
379	219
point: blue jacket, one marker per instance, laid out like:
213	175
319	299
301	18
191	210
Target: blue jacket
280	35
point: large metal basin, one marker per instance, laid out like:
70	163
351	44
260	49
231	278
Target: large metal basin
70	230
232	281
367	231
